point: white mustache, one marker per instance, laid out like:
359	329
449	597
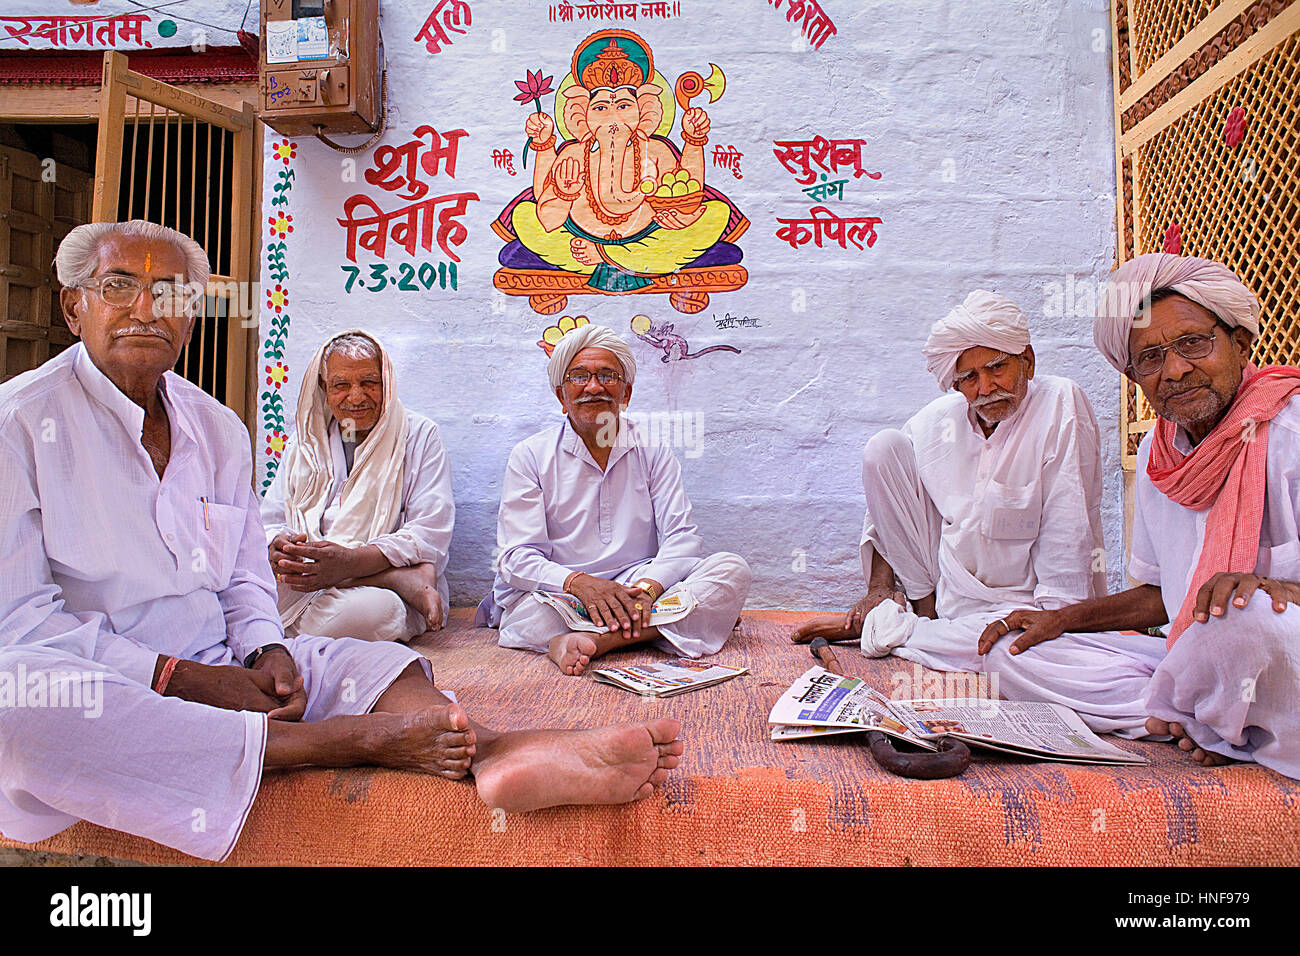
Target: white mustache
141	330
594	398
998	396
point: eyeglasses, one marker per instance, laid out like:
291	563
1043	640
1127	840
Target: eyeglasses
170	299
606	376
1195	346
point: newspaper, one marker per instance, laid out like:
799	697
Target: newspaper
822	699
668	678
1040	730
821	702
669	608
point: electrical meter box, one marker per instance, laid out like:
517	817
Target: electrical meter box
319	66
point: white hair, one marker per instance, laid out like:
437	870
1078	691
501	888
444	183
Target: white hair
78	255
353	345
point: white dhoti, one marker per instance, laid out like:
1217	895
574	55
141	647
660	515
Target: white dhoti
719	583
906	523
366	613
175	772
1104	677
1234	685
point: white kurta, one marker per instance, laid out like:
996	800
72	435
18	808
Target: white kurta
1018	512
1234	682
422	536
992	525
104	567
560	513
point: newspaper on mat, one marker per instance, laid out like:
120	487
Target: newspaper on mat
669	608
1029	729
822	699
668	678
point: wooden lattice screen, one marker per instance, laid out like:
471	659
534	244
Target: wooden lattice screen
1191	177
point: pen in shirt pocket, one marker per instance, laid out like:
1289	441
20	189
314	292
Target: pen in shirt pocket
207	525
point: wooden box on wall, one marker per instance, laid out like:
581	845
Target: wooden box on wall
337	93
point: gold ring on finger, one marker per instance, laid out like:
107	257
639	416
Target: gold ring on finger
640	607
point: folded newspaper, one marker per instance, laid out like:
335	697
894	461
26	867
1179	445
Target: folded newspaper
669	608
668	678
820	699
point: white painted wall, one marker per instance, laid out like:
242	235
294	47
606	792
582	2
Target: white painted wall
991	123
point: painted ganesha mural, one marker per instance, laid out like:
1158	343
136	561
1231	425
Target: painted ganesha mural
615	206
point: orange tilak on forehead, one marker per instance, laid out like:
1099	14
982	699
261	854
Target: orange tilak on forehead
148	261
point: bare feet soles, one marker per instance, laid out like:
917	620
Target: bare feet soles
832	628
572	652
529	770
435	740
1205	758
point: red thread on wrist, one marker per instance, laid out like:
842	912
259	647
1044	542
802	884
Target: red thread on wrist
166	675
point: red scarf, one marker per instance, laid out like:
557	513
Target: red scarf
1226	474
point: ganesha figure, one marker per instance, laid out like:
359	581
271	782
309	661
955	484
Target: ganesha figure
618	208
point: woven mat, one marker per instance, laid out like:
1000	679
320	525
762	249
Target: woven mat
738	798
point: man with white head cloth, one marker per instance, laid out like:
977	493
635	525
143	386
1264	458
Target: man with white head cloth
987	501
144	671
1216	518
593	508
359	517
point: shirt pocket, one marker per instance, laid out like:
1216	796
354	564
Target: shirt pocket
1011	512
220	532
1284	562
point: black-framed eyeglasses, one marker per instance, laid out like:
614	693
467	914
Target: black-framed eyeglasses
170	299
580	377
1197	345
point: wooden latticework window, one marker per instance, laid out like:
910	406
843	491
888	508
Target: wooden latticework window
1185	183
1157	25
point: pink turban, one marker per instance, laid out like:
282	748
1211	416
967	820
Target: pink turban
1204	281
984	319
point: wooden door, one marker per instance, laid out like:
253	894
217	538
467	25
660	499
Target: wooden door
172	157
40	200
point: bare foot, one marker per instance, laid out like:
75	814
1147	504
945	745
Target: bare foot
832	628
572	652
435	740
1205	758
417	585
924	607
532	769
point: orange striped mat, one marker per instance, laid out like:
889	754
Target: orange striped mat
738	798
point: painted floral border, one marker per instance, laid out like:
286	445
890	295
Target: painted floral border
276	309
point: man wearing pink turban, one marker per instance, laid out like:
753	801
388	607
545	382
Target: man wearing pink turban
1215	520
986	501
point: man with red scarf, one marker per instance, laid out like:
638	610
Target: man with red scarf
1216	528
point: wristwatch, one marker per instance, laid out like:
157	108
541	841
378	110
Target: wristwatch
254	657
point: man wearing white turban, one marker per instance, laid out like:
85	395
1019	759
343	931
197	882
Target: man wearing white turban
151	618
359	517
1216	516
988	500
593	508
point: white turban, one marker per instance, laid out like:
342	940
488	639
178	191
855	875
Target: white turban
1204	281
984	319
589	337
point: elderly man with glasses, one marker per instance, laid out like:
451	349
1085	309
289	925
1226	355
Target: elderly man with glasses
1216	524
138	615
593	508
